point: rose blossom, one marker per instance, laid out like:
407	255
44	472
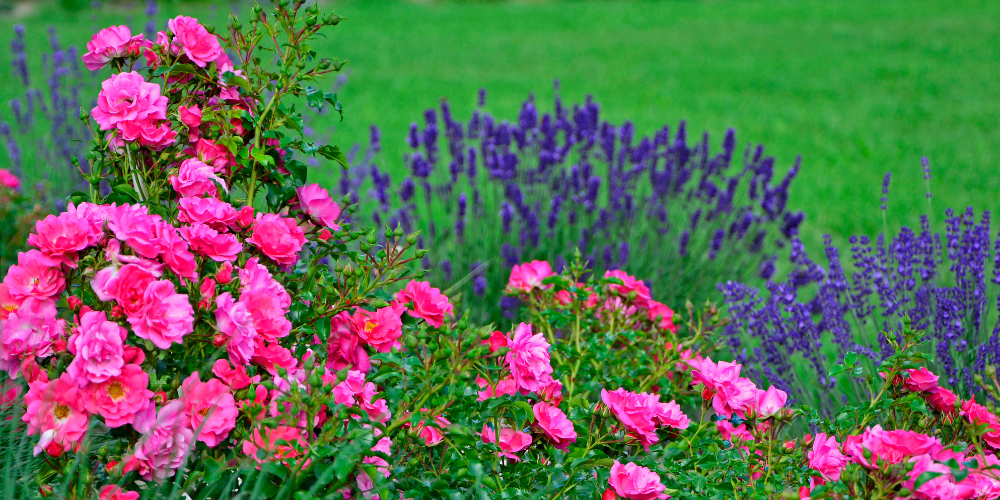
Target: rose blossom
277	237
556	426
510	442
134	225
505	387
551	392
195	178
165	444
346	392
271	356
266	310
890	447
733	434
630	284
729	392
528	276
114	492
174	251
198	44
8	304
636	482
670	415
268	439
107	44
661	315
826	457
380	329
98	347
61	237
9	180
31	330
428	302
979	414
212	244
56	410
127	97
166	317
236	378
943	486
128	288
316	202
942	400
528	359
120	398
343	348
33	276
218	215
150	132
210	409
495	341
769	402
255	278
921	380
190	115
640	412
235	322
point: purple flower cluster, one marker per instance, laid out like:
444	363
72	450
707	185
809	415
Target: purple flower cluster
499	192
946	284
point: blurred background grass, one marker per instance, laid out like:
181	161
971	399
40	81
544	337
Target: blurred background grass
856	88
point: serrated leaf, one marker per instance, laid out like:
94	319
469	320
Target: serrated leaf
333	153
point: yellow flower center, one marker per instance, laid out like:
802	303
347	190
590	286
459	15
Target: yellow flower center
370	325
115	390
61	411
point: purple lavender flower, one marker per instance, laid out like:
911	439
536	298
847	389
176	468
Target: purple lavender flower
885	190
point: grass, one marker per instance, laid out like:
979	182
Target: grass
856	88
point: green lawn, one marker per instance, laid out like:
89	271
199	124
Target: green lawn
856	88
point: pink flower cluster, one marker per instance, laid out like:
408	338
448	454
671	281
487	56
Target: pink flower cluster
635	482
723	385
641	413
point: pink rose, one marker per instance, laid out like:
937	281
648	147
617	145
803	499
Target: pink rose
190	116
212	244
256	278
505	387
166	317
729	392
315	201
128	288
9	180
198	44
826	457
510	442
281	443
175	252
380	329
31	330
236	323
638	413
943	486
670	415
278	238
343	348
769	402
120	398
495	341
661	315
56	410
34	276
150	132
377	409
224	273
942	400
630	284
133	225
347	391
921	380
236	378
114	492
195	178
529	275
127	97
889	447
734	434
979	414
431	433
106	45
213	154
61	237
267	313
210	408
271	355
528	359
428	302
8	304
555	425
162	449
245	218
98	347
636	482
218	215
552	392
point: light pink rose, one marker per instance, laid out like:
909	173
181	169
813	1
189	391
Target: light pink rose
150	132
198	44
195	178
114	492
166	317
236	378
210	409
162	449
56	410
61	237
529	275
630	285
511	441
210	243
218	215
236	323
31	330
106	45
635	482
826	457
9	180
344	348
34	276
98	346
127	97
380	329
316	202
278	238
729	393
528	359
555	425
768	403
120	398
128	288
428	302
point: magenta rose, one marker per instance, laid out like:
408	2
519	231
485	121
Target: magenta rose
344	348
216	214
175	252
278	238
636	482
121	397
210	409
198	44
127	97
380	329
630	284
316	202
106	45
267	313
210	243
98	345
9	180
510	441
56	410
128	288
428	302
196	178
528	359
826	457
150	132
553	422
921	380
34	276
236	378
638	413
166	317
236	323
529	275
164	445
30	330
61	237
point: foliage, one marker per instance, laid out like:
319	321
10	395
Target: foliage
18	211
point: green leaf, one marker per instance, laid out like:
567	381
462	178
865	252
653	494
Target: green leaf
926	476
298	170
850	358
126	190
334	153
178	69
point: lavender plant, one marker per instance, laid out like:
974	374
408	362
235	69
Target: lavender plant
489	193
792	332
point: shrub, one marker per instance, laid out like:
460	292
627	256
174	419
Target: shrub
660	207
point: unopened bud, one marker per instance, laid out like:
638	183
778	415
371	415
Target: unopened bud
84	114
990	370
219	340
117	312
411	239
420	253
74	303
